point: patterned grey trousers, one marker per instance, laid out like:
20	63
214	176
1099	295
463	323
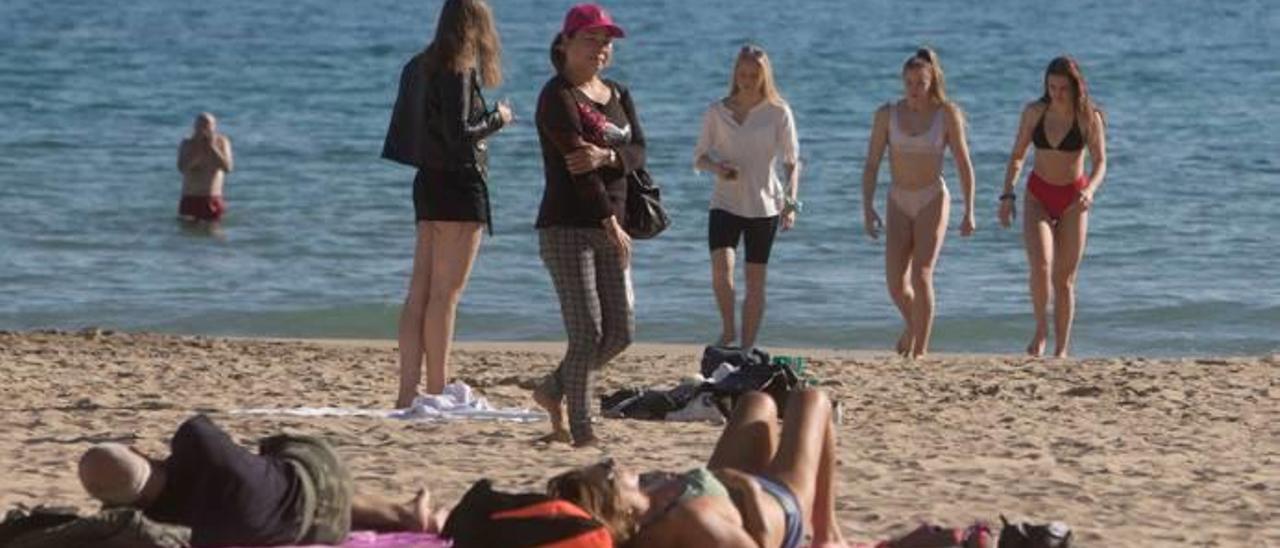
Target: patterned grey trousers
596	303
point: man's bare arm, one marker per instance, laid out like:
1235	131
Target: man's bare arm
186	156
221	148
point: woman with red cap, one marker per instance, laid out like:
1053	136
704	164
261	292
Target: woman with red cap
1061	124
591	140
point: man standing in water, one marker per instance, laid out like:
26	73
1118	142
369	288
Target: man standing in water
204	159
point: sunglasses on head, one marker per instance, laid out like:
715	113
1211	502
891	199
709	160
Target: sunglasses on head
752	50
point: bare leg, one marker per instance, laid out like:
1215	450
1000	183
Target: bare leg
930	229
801	449
722	285
750	438
897	264
1069	242
455	248
1037	230
411	318
826	527
547	397
370	512
753	303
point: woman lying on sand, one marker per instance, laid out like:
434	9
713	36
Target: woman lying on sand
761	486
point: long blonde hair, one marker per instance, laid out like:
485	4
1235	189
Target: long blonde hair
768	87
466	36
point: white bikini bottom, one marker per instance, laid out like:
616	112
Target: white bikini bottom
911	201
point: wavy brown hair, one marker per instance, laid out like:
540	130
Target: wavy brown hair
600	498
927	59
466	37
1083	104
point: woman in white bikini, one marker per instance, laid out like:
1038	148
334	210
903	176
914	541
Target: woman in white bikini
916	129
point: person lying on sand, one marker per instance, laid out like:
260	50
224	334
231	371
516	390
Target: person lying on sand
297	491
761	487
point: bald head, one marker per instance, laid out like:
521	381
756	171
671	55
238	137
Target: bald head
114	474
206	123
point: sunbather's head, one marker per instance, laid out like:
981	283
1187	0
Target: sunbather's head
114	474
609	493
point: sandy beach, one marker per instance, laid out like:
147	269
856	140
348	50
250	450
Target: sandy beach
1128	451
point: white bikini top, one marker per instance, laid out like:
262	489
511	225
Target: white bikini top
928	142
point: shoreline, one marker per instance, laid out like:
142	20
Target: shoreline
1127	451
656	347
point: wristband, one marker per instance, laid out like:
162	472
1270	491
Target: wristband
1008	196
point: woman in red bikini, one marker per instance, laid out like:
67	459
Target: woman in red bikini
1061	125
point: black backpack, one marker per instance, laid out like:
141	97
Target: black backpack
755	373
485	518
1026	535
648	403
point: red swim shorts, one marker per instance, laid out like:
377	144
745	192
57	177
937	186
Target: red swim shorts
204	208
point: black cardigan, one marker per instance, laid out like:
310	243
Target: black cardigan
583	200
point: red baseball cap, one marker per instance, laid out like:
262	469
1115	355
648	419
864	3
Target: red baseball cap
588	17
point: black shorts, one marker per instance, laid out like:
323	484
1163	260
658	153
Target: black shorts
724	229
450	196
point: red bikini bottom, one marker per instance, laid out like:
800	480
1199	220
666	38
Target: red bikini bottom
1055	198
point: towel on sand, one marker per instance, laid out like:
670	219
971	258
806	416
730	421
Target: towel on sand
370	539
457	402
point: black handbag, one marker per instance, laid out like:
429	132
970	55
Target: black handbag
646	217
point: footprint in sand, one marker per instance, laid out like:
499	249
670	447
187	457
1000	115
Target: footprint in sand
1083	392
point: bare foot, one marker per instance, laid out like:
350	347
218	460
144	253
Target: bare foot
556	412
420	520
438	518
589	441
1060	353
406	401
1036	348
833	539
725	339
556	436
905	342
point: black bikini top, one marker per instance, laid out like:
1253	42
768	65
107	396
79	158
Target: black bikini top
1072	142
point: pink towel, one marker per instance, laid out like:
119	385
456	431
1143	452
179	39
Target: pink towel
370	539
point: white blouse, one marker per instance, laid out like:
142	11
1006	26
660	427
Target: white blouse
755	146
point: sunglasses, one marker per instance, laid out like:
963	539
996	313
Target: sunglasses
610	469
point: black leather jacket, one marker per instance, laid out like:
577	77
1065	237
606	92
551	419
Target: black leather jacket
440	120
458	122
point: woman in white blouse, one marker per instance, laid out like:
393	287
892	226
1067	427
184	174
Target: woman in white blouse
917	130
745	137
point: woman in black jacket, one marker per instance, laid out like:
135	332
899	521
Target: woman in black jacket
450	197
591	140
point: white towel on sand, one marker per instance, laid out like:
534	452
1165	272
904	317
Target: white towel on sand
457	402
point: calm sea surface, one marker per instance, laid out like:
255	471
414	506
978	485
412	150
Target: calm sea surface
94	97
